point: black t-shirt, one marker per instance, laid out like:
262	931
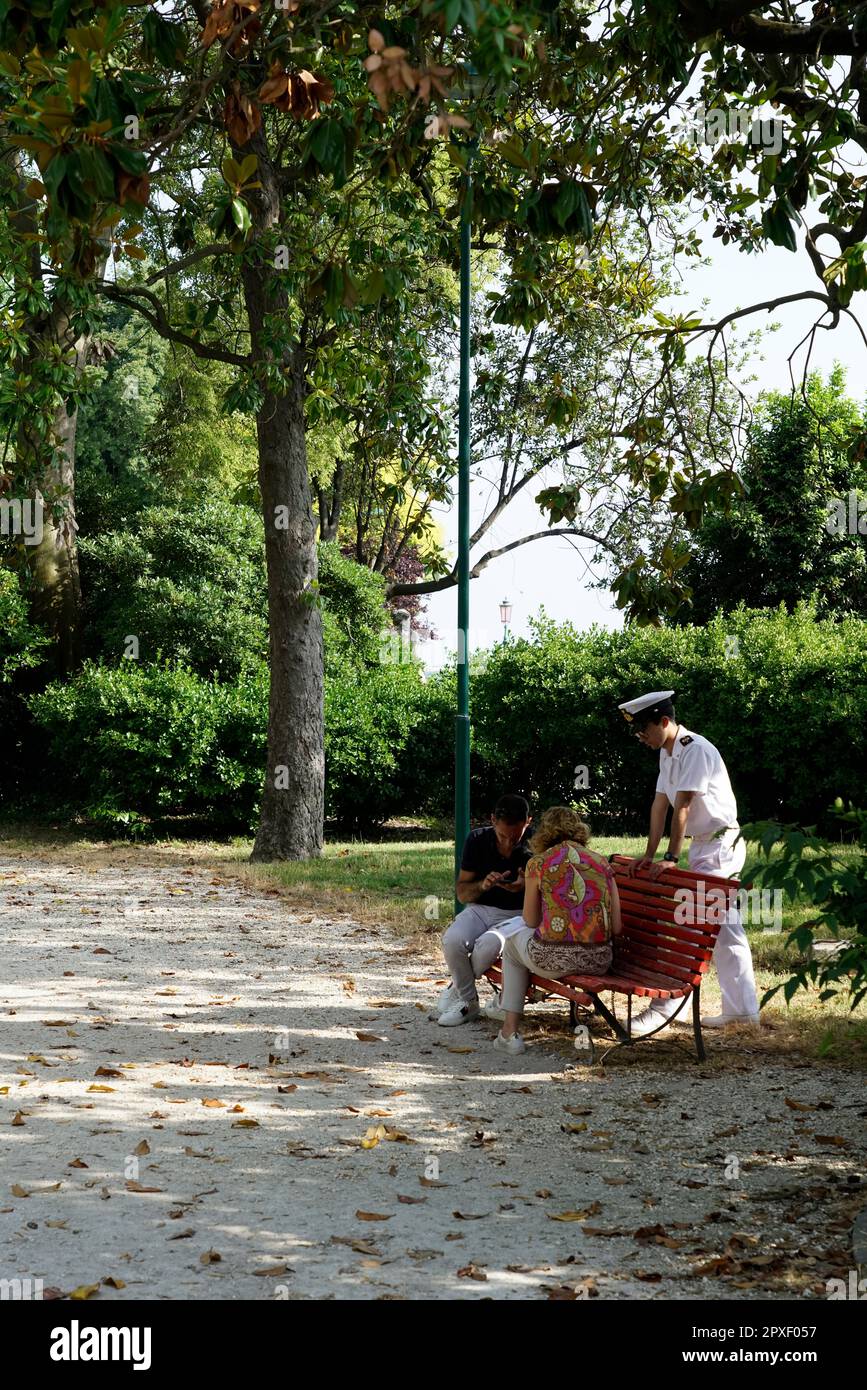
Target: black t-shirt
482	856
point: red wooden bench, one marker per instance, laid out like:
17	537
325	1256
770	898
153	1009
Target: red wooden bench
663	951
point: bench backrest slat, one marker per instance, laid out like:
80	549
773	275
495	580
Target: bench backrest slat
654	938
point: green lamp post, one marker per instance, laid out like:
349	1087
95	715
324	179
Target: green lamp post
462	717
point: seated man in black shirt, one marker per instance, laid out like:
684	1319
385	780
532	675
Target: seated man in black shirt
491	882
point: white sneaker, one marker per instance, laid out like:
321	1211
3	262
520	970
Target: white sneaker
446	998
494	1008
459	1012
723	1020
647	1023
514	1045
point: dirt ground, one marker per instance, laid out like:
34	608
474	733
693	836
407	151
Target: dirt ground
205	1094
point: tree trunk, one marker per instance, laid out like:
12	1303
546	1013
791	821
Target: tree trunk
55	601
291	824
55	589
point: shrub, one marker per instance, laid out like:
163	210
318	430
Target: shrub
783	696
157	741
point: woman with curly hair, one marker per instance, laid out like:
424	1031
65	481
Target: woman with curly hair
571	916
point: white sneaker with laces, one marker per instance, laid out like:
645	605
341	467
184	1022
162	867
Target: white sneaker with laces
723	1020
647	1022
494	1008
446	998
459	1012
513	1045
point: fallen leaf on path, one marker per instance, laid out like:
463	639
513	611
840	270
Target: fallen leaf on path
432	1182
361	1247
245	1124
141	1149
273	1271
108	1071
18	1118
410	1201
210	1257
836	1139
582	1215
470	1216
132	1186
797	1104
78	1163
461	1050
114	1283
472	1272
370	1037
212	1104
84	1291
371	1216
18	1191
286	1090
99	1088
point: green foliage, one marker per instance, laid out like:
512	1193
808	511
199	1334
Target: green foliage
354	614
21	644
775	545
373	723
806	866
188	582
155	741
181	732
783	696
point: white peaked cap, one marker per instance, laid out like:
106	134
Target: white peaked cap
632	707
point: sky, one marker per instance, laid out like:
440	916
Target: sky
552	573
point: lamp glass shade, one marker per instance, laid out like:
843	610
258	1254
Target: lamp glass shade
505	611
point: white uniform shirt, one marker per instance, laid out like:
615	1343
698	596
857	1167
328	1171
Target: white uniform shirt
695	765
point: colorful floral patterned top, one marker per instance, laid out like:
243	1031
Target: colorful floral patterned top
575	889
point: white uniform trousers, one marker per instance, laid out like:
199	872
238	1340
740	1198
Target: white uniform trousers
732	956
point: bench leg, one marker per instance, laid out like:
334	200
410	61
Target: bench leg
696	1023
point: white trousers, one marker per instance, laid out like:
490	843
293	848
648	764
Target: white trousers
732	956
473	941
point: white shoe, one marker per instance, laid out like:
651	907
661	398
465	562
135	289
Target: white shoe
494	1008
459	1012
446	998
646	1023
514	1045
723	1020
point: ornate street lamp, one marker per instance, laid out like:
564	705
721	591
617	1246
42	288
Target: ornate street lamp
505	618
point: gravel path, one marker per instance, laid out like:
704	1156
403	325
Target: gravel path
189	1070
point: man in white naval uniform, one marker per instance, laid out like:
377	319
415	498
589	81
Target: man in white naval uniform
693	780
